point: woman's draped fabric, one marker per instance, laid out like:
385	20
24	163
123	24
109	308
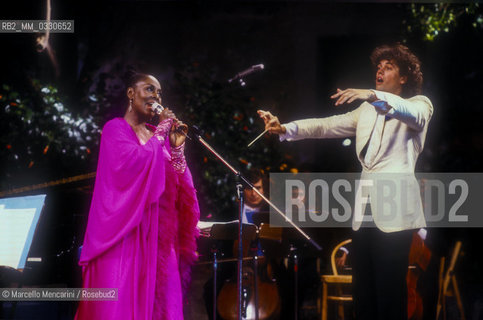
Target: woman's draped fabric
141	233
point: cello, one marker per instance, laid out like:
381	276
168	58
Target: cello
260	296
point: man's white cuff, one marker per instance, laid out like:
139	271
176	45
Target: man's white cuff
291	130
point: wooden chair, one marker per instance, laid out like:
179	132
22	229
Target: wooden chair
335	280
448	286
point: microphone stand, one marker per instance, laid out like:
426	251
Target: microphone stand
239	267
241	178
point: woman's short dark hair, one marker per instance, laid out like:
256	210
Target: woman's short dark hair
407	62
131	77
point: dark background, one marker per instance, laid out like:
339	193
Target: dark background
309	49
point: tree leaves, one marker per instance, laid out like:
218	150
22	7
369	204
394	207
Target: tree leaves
432	19
39	131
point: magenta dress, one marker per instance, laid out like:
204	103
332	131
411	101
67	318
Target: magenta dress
141	233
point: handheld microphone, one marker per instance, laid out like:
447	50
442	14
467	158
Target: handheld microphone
157	108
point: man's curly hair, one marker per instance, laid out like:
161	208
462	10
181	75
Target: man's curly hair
409	66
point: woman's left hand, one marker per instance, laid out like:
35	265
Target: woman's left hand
350	95
178	132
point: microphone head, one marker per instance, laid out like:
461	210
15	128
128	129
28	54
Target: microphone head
157	108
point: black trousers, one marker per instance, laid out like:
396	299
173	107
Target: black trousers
380	266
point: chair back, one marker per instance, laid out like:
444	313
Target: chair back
334	252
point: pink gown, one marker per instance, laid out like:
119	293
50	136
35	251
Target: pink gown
141	233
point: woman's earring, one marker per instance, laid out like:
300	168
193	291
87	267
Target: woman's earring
130	105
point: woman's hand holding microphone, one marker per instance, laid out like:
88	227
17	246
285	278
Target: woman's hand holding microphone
169	124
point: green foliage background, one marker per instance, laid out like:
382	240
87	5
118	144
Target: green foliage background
227	115
40	135
429	20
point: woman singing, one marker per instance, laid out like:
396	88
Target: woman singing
141	232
